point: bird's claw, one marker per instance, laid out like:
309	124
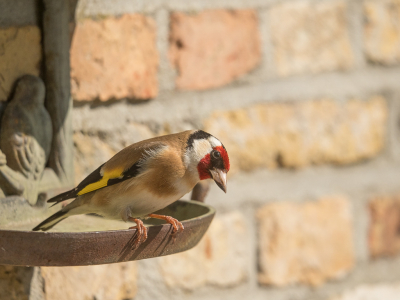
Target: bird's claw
176	225
141	232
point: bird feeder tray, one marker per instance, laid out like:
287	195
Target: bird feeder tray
77	241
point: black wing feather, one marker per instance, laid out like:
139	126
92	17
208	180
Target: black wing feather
132	172
92	177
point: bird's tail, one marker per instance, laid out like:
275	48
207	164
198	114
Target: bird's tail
51	221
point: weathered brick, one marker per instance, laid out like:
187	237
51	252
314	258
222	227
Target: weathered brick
102	282
372	292
382	31
219	259
20	54
212	48
301	133
312	38
384	235
114	58
305	242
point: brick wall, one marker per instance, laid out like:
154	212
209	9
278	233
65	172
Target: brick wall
305	95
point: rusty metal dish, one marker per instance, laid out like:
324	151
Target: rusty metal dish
85	247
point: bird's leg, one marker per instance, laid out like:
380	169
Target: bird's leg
141	229
174	222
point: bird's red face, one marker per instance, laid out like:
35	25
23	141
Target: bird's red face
215	165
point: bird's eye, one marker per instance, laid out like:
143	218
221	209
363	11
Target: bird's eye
216	154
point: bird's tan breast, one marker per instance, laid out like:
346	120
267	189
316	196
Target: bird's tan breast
164	180
165	173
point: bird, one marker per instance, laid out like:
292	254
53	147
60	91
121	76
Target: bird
26	136
146	177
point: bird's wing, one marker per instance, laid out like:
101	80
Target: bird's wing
124	165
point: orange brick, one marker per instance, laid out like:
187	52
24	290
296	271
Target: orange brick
299	134
114	58
212	48
218	260
310	37
382	31
305	243
102	282
384	235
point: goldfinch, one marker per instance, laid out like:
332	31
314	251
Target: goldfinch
145	177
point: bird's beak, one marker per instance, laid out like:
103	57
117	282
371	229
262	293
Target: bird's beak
219	177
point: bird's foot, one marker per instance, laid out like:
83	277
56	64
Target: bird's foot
177	226
141	231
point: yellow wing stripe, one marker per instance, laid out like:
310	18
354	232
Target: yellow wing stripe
102	182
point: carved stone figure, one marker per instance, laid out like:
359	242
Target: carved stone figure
25	139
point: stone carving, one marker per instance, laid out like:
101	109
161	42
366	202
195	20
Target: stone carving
25	139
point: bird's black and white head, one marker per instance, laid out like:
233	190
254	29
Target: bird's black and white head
208	155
